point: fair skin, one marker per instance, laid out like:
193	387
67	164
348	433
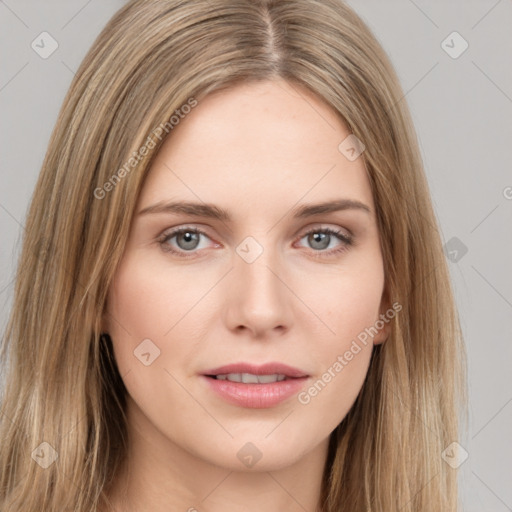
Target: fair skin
259	151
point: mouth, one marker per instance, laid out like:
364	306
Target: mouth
256	387
251	374
251	378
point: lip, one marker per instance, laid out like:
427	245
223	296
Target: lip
264	369
256	396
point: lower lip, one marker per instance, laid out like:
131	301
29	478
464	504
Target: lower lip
256	396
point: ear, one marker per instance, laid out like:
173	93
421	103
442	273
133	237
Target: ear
383	323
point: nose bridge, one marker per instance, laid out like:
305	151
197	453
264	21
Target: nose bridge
260	300
255	268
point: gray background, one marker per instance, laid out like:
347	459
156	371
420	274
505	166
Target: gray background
461	108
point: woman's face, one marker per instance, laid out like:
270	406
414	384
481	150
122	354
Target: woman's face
252	287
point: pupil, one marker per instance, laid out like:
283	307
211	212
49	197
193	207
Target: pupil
321	238
189	239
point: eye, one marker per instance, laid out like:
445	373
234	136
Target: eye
187	240
320	239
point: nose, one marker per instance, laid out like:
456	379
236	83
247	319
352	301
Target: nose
259	299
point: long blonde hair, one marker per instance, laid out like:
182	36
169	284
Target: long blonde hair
62	385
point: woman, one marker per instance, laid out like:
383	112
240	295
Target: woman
232	291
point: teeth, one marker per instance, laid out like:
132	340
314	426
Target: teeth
265	379
249	378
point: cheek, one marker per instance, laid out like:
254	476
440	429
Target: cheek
140	307
349	307
149	301
355	310
144	304
348	301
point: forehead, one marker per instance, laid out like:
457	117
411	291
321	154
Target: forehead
255	145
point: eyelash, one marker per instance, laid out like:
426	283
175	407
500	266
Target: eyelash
346	239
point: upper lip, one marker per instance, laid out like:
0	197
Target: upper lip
264	369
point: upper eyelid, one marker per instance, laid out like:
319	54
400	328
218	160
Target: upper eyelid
316	225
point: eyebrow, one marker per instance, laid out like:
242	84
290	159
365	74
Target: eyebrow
215	212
